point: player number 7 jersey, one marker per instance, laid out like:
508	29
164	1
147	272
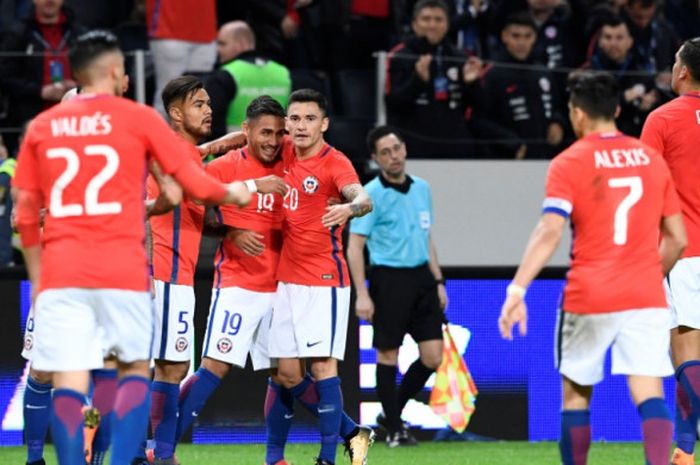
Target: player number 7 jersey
616	191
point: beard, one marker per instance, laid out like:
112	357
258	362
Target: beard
199	131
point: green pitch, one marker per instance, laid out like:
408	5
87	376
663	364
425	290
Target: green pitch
463	453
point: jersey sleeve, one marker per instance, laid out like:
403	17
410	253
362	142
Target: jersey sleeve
559	189
653	132
343	173
27	169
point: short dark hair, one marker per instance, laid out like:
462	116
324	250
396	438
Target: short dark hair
179	89
309	95
689	55
520	18
422	4
264	105
90	46
612	20
377	133
594	92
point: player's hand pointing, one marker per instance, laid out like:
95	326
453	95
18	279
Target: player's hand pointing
512	312
248	241
271	185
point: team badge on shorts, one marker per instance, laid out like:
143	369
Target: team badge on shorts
181	344
224	345
28	342
310	184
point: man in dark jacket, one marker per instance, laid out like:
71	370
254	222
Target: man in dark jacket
522	95
429	86
38	81
615	53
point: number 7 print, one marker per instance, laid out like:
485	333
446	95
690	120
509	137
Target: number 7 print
634	183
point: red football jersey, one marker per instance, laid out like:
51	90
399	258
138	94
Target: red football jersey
616	191
188	20
88	158
674	130
176	236
312	254
263	215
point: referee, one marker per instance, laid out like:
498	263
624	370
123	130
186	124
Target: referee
407	290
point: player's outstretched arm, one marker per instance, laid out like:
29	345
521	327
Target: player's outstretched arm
231	141
364	307
673	241
201	186
542	244
169	194
360	204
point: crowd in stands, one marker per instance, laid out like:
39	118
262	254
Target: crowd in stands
465	79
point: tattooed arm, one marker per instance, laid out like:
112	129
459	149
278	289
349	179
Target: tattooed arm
360	204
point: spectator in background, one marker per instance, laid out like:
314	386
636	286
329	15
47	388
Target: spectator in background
522	97
472	27
181	37
37	82
7	172
430	85
559	32
243	76
655	42
615	53
406	288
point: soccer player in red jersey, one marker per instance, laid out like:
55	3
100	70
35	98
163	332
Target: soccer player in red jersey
175	245
86	160
620	198
674	130
176	238
37	395
246	259
313	295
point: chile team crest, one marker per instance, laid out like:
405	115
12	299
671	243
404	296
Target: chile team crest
310	184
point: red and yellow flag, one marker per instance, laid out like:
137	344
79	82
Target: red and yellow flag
454	393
